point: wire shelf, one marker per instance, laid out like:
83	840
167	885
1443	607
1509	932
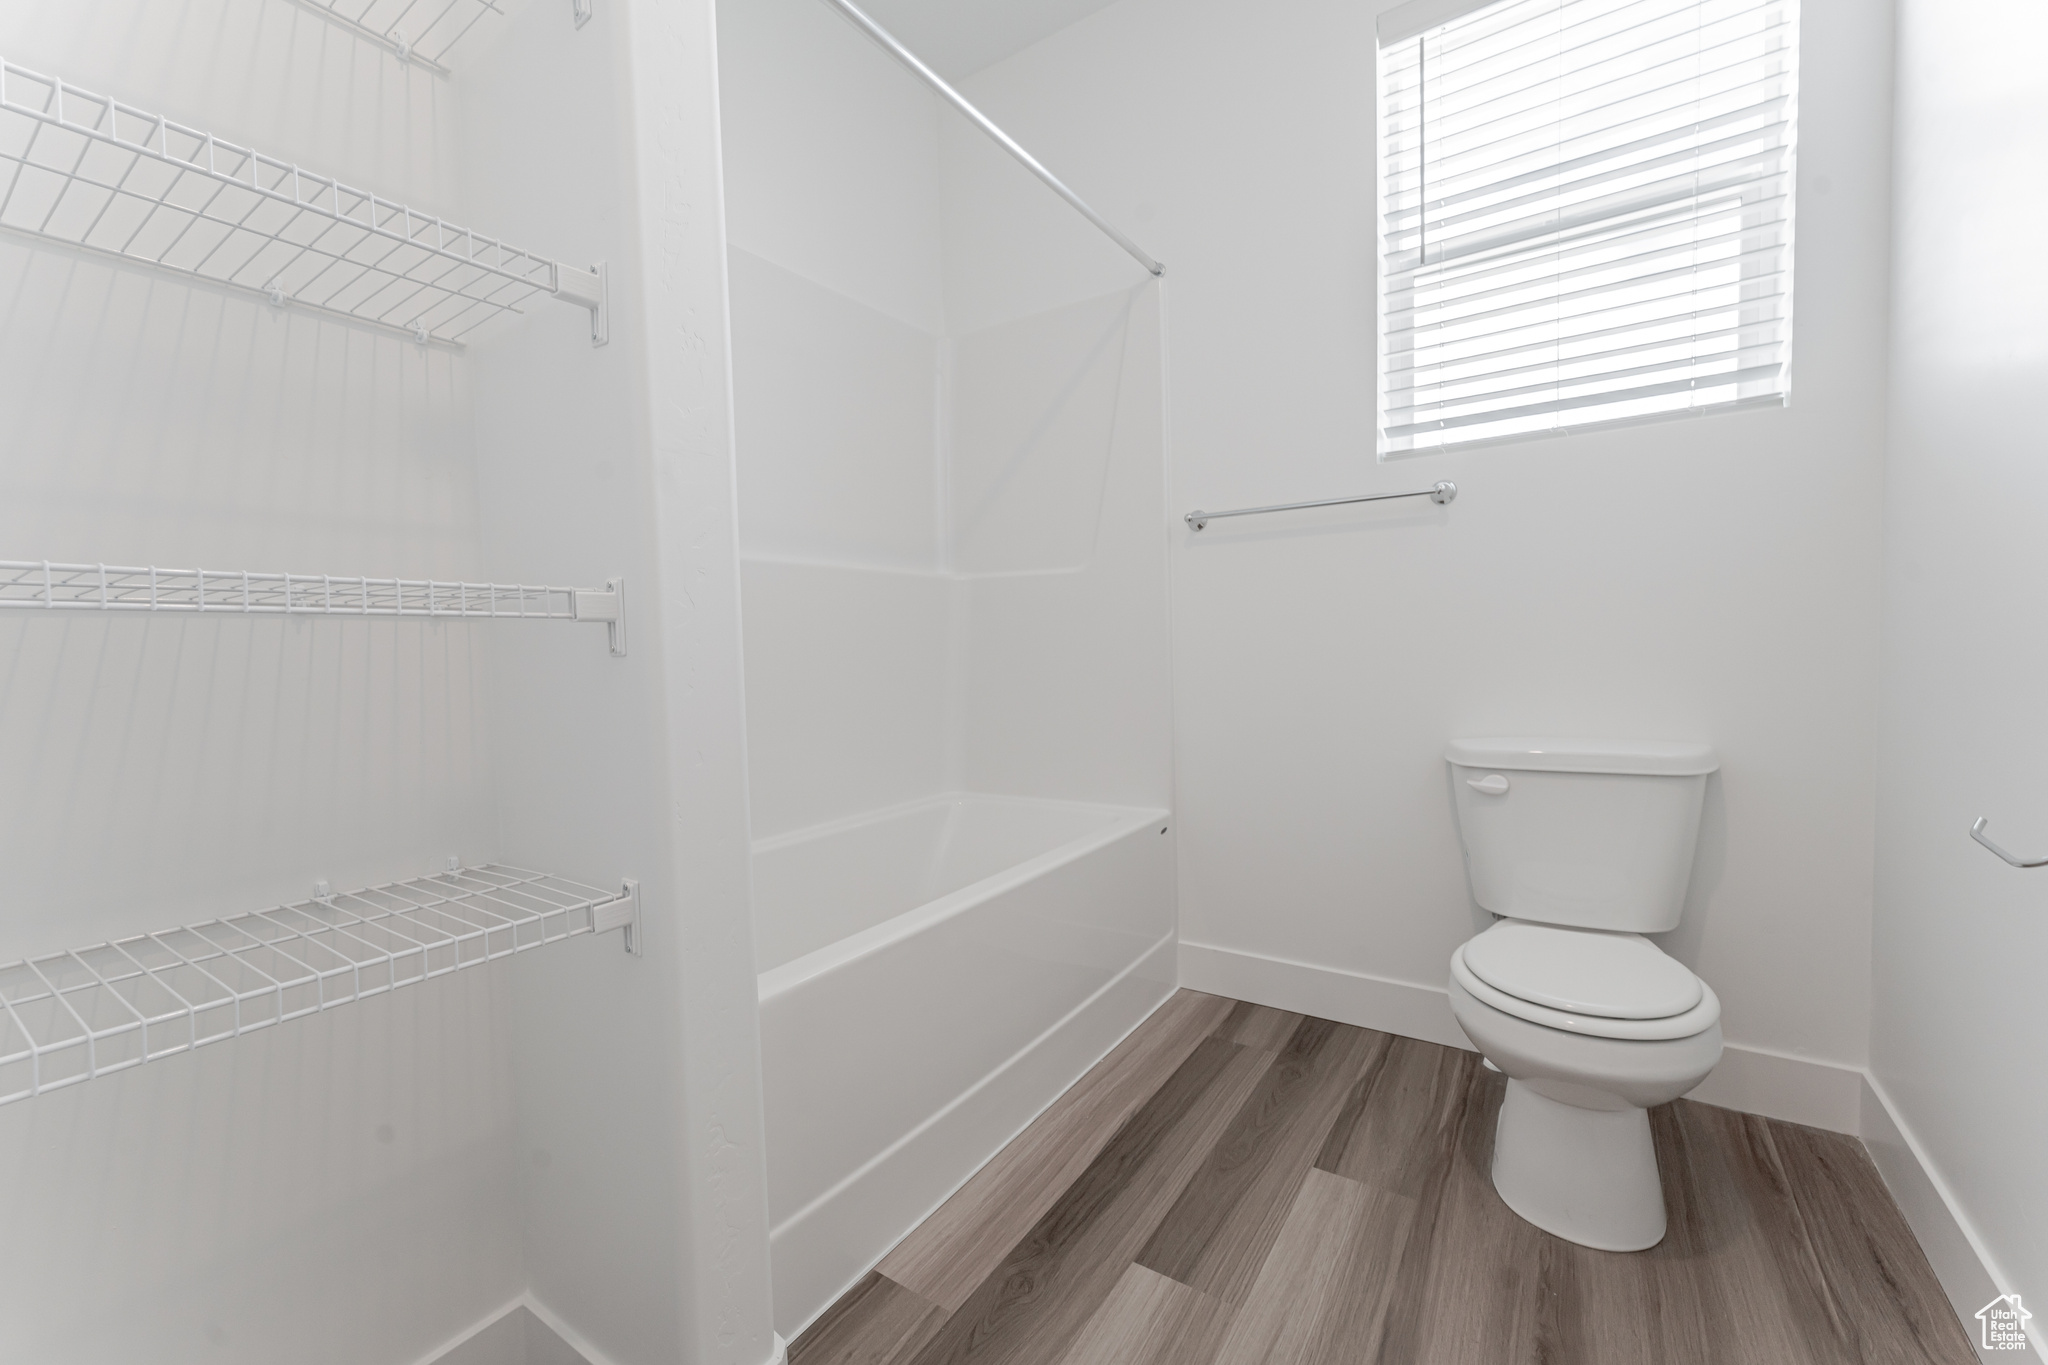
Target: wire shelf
103	177
43	585
69	1017
417	30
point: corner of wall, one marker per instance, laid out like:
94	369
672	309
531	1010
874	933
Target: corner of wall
1960	1260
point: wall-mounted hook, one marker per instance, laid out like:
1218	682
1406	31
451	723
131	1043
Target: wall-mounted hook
276	292
419	332
581	9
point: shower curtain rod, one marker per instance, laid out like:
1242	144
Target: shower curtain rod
981	120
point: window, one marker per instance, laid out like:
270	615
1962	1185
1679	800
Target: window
1586	209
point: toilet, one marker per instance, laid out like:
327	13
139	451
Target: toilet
1582	847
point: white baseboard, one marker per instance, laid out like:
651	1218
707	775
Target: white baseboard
1780	1086
577	1345
528	1332
1965	1266
523	1332
1372	1002
1754	1080
1841	1099
467	1342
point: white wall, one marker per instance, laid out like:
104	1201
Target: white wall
723	1298
639	1150
337	1189
1710	579
1960	1031
957	39
578	1126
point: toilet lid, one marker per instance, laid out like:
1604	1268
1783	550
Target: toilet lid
1582	971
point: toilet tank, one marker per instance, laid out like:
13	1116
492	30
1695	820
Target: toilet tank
1597	834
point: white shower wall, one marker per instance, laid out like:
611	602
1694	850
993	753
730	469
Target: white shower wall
1030	658
1034	661
950	516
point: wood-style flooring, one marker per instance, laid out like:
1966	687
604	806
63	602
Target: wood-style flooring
1236	1184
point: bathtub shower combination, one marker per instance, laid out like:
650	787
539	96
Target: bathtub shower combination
931	978
949	411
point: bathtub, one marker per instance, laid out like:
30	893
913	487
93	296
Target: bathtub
931	977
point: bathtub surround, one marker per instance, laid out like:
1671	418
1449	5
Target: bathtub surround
958	672
1011	637
1023	672
922	1033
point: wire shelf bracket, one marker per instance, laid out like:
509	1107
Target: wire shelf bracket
41	585
416	31
69	1017
102	177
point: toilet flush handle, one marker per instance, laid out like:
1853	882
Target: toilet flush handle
1493	784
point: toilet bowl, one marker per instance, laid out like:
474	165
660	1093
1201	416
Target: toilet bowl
1572	1150
1582	847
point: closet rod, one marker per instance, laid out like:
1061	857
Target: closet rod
1002	139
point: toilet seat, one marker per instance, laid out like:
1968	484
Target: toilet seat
1703	1015
1582	971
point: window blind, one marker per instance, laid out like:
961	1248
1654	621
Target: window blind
1586	209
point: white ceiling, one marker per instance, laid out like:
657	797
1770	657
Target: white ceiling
959	37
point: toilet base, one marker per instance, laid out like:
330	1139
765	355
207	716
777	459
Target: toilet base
1586	1175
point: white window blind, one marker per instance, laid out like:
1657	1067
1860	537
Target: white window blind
1586	214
